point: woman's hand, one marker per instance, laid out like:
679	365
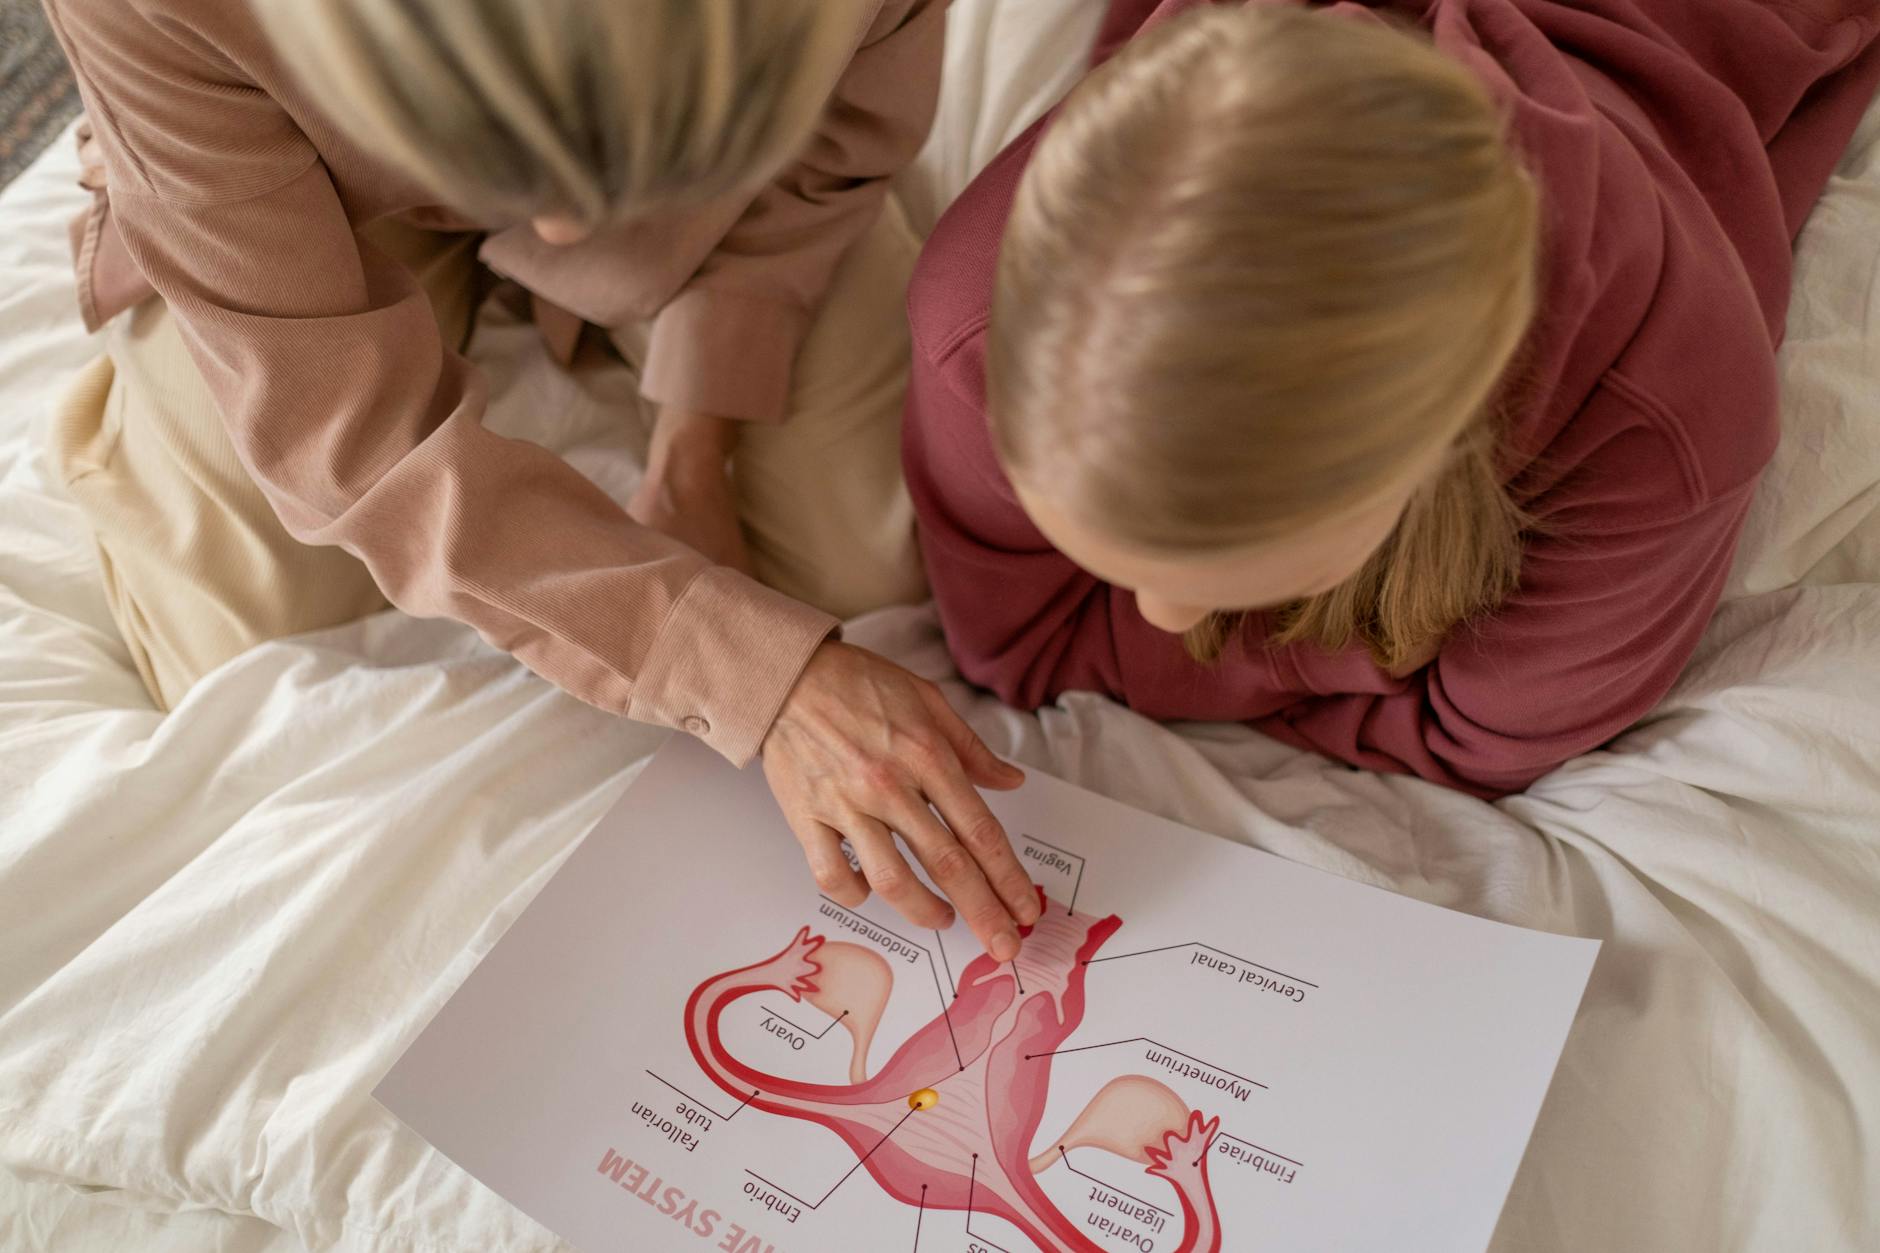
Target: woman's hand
687	492
859	752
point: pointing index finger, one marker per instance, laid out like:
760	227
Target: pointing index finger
984	837
957	873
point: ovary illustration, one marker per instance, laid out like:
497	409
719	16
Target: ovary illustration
950	1119
853	987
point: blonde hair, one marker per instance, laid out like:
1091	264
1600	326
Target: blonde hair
512	109
1263	260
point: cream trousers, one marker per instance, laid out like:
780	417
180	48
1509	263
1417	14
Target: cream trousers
198	569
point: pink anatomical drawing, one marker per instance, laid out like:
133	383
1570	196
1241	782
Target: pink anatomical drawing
659	1056
951	1120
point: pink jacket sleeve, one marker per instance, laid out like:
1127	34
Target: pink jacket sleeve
365	432
1616	590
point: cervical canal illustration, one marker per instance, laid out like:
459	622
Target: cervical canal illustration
949	1121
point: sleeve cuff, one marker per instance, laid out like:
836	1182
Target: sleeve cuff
109	282
729	654
726	354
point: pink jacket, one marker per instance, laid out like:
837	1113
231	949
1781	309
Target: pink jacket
235	200
1679	144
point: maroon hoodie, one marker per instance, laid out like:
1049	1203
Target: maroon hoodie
1679	145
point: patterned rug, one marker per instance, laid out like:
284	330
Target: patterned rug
37	95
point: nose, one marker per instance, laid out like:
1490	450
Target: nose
1167	615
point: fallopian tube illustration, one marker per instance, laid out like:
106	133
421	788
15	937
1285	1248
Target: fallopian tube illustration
954	1129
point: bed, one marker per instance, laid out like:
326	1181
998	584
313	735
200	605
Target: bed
219	927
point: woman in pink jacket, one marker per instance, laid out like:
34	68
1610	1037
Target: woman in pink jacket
1394	377
298	203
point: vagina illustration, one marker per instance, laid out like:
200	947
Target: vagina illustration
950	1121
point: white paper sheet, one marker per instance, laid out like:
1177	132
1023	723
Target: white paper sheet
682	1045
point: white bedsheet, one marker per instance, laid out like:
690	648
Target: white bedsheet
217	929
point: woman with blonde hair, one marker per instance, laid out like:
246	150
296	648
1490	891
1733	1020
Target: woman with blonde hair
297	206
1393	377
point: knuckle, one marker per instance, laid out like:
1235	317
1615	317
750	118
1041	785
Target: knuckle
926	750
890	881
983	834
952	863
882	774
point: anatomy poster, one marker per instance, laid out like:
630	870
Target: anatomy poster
681	1045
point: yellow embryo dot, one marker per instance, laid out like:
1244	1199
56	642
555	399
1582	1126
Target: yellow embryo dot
926	1098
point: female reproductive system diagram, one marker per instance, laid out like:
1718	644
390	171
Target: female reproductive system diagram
757	1070
951	1120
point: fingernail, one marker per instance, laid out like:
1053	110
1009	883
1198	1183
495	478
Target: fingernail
1005	946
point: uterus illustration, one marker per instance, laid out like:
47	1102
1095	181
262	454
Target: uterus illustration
950	1121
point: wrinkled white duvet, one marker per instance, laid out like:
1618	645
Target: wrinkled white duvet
218	928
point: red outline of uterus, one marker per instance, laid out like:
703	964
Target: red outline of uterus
972	1148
